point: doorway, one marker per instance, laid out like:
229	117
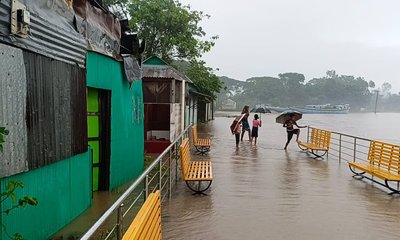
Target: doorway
99	136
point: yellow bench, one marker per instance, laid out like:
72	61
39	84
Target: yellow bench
384	163
319	142
147	223
202	145
196	174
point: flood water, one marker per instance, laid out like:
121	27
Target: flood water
264	192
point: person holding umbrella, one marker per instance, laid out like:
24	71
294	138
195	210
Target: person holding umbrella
289	119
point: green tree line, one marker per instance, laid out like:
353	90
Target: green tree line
292	89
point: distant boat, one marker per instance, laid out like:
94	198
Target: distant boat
278	109
323	109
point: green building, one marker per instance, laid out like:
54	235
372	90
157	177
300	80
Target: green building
75	118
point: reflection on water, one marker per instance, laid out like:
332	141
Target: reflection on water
264	192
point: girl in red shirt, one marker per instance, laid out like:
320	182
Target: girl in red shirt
254	130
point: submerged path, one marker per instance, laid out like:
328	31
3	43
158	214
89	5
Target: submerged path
263	192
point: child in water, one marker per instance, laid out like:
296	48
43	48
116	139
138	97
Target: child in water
236	129
254	130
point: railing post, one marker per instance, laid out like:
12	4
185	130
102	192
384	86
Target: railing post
120	216
160	175
355	147
169	175
340	147
146	182
176	161
308	133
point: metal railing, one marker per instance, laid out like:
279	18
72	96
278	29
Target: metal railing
160	175
347	147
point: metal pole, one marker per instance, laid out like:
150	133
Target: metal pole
340	147
120	217
160	175
176	163
355	147
169	175
376	100
308	133
146	188
138	182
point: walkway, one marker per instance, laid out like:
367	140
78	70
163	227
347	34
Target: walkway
263	192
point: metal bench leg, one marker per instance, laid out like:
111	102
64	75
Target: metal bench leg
199	189
357	174
318	155
394	191
302	149
202	149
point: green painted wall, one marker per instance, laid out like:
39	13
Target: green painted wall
63	190
127	126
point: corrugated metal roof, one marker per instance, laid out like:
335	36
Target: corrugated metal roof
51	34
163	71
4	16
100	27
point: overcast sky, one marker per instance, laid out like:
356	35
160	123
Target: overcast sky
268	37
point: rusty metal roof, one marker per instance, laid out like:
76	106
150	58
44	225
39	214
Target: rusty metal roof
163	71
52	33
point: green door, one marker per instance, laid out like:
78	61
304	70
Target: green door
98	107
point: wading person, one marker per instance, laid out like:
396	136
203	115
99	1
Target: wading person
245	122
254	130
236	129
289	124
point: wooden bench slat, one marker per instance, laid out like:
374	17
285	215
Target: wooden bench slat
319	141
147	220
153	225
138	219
200	142
210	171
206	170
144	224
376	171
195	170
313	146
384	163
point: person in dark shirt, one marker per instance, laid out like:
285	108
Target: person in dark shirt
245	122
289	124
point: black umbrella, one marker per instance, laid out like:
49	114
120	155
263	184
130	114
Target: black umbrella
260	109
283	117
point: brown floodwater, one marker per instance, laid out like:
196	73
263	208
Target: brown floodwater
264	192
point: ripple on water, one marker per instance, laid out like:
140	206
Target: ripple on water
263	192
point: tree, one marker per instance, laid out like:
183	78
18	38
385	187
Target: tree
171	30
331	74
371	84
292	79
386	87
204	78
9	193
